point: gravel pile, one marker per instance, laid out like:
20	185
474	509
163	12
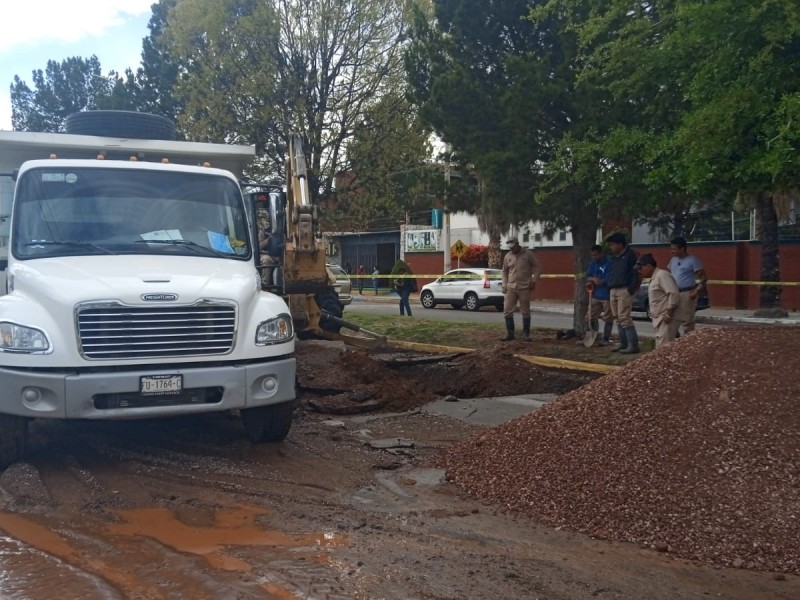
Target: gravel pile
692	449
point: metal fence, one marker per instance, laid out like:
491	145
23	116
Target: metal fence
715	226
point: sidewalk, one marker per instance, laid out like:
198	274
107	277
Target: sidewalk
709	315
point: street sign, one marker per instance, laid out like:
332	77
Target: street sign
458	249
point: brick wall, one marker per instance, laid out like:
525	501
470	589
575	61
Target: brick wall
555	261
790	271
425	263
733	261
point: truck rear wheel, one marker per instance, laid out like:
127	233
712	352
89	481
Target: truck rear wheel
13	439
268	423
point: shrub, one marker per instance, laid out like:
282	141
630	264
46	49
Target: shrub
476	254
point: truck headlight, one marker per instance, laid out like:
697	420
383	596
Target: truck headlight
18	338
274	331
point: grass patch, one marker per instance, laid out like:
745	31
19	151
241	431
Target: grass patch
422	330
475	335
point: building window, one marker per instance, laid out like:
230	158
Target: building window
537	237
526	236
549	237
562	236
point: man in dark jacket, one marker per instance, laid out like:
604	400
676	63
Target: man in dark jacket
622	282
404	286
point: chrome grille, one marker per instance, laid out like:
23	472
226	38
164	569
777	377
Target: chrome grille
117	331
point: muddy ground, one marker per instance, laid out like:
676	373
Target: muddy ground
188	508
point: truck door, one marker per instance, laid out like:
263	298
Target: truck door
268	210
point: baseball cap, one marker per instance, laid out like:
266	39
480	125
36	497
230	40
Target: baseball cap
512	241
646	259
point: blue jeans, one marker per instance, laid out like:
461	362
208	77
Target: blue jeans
404	303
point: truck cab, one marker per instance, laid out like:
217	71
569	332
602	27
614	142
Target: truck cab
132	291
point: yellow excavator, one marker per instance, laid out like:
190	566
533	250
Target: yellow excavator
290	255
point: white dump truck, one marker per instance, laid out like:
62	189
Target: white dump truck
131	289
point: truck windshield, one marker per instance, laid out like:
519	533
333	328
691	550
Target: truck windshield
68	211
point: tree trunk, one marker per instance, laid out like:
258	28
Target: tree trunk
584	236
495	256
678	223
770	255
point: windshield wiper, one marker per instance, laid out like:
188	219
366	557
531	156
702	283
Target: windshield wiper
194	246
70	243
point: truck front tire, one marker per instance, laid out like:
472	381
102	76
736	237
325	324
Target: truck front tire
13	439
268	423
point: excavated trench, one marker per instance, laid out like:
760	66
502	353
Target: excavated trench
335	381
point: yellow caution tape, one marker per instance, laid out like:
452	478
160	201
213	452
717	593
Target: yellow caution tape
736	282
565	276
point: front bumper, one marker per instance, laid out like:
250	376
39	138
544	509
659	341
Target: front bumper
115	394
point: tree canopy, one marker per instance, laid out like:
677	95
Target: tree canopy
499	81
254	70
716	87
65	87
388	172
567	108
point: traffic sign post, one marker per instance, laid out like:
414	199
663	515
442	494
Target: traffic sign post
458	249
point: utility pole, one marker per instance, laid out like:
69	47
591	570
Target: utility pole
446	224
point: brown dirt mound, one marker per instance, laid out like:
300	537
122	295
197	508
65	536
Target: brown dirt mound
693	448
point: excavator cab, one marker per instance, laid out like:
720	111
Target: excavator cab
290	255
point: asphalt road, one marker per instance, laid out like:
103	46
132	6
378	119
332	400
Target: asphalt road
540	319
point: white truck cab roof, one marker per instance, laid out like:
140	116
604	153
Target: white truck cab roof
17	147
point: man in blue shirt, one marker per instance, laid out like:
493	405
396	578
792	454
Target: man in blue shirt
597	278
623	281
689	274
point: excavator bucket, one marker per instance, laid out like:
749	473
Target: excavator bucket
365	338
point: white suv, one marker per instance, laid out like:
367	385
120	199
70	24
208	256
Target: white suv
470	288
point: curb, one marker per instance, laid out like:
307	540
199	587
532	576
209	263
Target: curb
560	363
542	361
751	320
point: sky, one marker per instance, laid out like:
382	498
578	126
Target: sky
35	31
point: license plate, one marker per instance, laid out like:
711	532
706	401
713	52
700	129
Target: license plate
160	384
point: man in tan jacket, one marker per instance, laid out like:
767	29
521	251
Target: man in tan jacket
664	298
520	274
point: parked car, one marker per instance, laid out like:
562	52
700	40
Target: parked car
470	288
641	304
343	285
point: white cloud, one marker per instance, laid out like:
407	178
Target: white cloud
30	22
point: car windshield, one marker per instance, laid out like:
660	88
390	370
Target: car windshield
70	211
477	275
338	271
